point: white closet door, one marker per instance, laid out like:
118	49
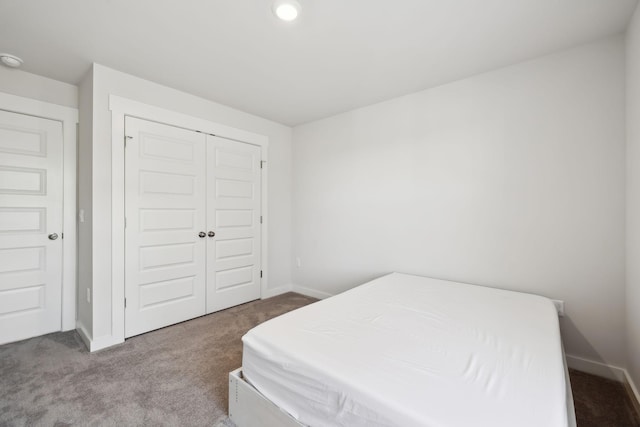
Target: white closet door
233	214
30	226
165	202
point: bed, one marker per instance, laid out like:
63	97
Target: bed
406	350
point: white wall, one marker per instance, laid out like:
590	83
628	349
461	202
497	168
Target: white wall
110	82
633	197
18	82
85	197
512	179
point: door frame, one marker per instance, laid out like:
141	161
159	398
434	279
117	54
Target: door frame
120	108
68	116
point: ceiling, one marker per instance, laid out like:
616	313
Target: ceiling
339	55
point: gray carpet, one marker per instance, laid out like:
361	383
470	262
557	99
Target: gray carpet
179	375
174	376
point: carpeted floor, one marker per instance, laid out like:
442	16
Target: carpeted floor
601	403
173	376
178	376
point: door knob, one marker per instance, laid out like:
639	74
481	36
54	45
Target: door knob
53	236
202	234
211	234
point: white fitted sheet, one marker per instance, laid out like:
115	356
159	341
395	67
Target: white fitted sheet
406	350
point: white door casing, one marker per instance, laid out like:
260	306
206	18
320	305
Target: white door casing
233	214
165	202
31	210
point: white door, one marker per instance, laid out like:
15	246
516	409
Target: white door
165	202
30	226
233	214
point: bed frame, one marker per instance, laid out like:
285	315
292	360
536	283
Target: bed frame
249	408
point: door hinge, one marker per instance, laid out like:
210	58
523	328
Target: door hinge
125	222
260	273
125	303
262	162
260	219
62	235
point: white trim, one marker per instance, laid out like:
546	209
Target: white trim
84	335
117	227
69	118
313	293
264	243
596	368
121	107
631	386
95	344
174	118
105	341
606	371
277	291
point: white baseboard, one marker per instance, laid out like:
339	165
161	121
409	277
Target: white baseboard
596	368
278	291
104	342
95	344
313	293
631	387
606	371
84	335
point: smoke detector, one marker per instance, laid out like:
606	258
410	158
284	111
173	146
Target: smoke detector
10	61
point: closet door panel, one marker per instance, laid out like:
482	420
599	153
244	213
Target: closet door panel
165	204
233	214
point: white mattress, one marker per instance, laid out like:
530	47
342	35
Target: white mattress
412	351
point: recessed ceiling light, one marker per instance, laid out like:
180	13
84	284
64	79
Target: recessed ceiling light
10	60
287	10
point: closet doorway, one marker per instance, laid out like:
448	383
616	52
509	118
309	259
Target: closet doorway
192	224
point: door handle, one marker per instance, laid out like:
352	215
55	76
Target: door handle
202	234
53	236
211	234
